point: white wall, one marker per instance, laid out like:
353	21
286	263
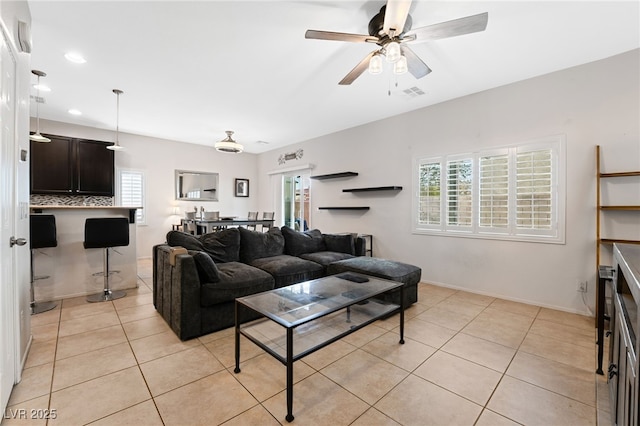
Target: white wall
159	158
593	104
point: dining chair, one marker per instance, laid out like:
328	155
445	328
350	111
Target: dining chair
267	216
252	216
212	216
189	224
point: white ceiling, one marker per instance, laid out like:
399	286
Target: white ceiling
191	70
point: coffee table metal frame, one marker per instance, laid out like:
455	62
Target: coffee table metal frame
331	303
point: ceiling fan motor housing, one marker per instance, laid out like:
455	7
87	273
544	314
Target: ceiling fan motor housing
377	23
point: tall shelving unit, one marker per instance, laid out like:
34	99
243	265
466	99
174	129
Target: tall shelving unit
603	273
600	208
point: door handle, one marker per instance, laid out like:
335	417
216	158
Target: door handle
17	241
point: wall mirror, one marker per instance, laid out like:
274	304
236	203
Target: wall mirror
196	186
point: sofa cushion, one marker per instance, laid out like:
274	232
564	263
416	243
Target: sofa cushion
297	243
182	239
207	269
324	258
236	280
223	245
340	243
287	270
255	245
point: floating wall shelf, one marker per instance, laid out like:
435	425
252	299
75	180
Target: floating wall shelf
343	208
376	188
335	175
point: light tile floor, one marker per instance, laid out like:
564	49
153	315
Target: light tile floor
468	360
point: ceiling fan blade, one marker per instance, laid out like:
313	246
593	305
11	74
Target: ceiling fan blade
395	15
416	66
456	27
328	35
357	70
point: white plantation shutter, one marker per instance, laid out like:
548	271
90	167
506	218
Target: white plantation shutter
494	191
131	191
459	202
429	203
534	186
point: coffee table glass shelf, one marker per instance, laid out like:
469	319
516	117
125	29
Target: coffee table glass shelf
300	319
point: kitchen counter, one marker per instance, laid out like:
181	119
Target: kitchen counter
76	271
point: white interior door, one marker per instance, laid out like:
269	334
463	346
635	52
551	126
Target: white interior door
8	282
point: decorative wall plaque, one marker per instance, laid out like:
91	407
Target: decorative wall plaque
290	156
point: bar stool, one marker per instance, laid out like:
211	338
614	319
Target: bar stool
106	233
42	234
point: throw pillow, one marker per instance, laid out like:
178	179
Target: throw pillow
182	239
340	243
297	243
256	245
207	269
223	246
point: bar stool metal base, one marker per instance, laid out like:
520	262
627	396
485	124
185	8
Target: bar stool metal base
106	296
39	307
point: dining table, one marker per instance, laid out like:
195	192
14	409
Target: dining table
212	225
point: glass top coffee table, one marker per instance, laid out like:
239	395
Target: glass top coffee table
300	319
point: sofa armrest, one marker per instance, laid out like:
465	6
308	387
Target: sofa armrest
176	291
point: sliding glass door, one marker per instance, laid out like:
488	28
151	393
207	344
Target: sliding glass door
295	196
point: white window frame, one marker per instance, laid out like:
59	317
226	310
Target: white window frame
555	235
140	213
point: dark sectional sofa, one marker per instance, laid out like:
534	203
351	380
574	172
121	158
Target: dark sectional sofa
197	279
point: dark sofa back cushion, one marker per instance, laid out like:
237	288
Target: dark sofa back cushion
182	239
223	246
340	243
207	269
256	245
297	243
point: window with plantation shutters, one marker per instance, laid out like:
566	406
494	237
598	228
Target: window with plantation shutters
131	191
429	194
459	201
494	191
511	193
534	198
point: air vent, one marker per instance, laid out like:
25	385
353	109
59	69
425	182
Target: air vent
414	91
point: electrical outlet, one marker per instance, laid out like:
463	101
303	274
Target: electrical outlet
582	286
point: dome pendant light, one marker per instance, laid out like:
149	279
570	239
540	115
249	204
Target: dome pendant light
229	145
37	137
116	146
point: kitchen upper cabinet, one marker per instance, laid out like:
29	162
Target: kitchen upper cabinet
72	166
94	164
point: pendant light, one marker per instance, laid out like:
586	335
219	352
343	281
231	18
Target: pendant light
229	145
117	146
37	137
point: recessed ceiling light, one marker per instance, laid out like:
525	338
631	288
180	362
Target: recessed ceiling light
75	112
76	58
41	87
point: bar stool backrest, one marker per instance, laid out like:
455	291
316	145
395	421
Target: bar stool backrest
42	231
106	232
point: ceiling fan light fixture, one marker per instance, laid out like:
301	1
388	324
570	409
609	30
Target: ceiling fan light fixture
375	65
37	137
229	145
117	146
400	67
393	52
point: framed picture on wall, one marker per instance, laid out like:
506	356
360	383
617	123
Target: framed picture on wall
242	187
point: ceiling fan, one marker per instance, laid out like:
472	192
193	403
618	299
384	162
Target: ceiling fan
391	30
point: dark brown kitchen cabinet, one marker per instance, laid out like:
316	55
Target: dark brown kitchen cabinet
72	166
